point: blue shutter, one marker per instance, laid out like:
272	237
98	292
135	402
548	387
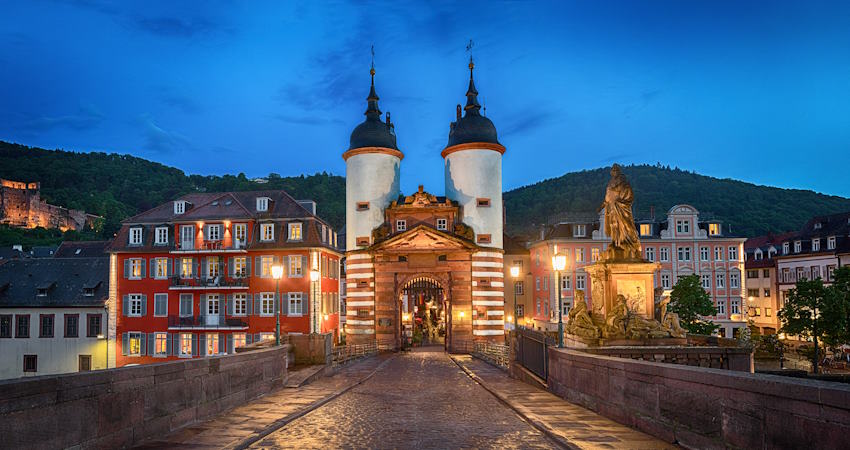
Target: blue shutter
229	302
144	305
194	344
142	344
257	307
285	261
126	268
125	305
222	347
170	268
230	348
203	269
125	343
222	306
202	344
304	266
175	344
168	346
249	304
203	305
284	303
151	342
247	266
259	265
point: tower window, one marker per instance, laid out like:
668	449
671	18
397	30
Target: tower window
400	225
362	241
483	202
483	238
362	206
442	224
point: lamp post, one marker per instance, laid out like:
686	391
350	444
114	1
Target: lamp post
277	272
559	262
314	278
515	276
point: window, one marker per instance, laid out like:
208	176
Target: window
664	254
186	267
6	326
296	266
267	232
72	325
801	274
239	340
733	253
752	274
266	336
520	311
160	268
767	312
212	269
88	292
765	273
22	328
650	254
161	236
186	301
734	280
296	306
483	202
757	254
240	304
136	268
684	253
756	311
400	225
212	344
239	234
705	280
295	232
214	232
362	206
160	305
830	272
720	281
46	329
721	308
646	229
798	246
830	243
134	344
785	248
683	226
262	204
442	224
815	272
212	305
41	292
186	345
579	255
579	230
665	280
518	288
267	304
187	237
30	363
483	238
594	254
94	321
179	207
580	282
718	253
714	229
735	306
362	241
766	292
160	344
815	245
545	283
135	306
536	283
135	236
240	266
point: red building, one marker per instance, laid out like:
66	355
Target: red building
194	276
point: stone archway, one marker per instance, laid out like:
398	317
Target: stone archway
423	310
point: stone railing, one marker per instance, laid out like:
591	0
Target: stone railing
346	353
700	407
729	358
121	407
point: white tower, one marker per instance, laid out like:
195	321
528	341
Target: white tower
371	174
473	167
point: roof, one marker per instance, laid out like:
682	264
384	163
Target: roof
7	253
512	246
82	249
472	127
46	251
763	242
64	278
373	132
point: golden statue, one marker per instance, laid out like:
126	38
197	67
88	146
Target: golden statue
580	323
619	221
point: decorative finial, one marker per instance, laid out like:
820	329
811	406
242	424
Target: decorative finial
372	67
469	50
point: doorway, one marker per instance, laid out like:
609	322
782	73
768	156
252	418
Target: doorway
422	309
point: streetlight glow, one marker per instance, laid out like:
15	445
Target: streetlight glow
277	271
559	262
515	272
314	275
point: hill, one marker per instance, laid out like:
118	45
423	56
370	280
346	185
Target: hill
750	209
118	186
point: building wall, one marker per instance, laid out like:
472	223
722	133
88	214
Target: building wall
524	300
787	265
474	174
763	308
56	354
373	178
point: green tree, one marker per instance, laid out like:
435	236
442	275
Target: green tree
813	310
690	301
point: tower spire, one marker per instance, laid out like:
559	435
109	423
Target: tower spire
472	105
372	111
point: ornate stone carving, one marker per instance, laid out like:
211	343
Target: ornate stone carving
381	232
579	321
670	321
619	221
465	231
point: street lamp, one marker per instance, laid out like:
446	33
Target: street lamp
515	276
277	272
559	263
314	278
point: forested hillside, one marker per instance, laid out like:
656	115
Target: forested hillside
117	186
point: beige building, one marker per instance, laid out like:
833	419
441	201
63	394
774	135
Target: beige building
517	289
762	283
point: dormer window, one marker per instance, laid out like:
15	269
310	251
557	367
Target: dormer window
41	292
262	204
295	232
88	292
267	232
714	229
442	224
830	243
646	229
179	207
683	226
579	230
135	236
161	235
798	246
786	248
818	226
816	245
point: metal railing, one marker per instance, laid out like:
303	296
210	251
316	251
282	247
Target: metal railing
343	354
208	246
219	281
532	351
203	322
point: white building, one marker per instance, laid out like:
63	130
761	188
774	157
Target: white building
53	316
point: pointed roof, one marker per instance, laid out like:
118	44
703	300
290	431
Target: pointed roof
373	132
472	127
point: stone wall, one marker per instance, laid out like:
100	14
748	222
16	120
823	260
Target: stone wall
729	358
121	407
704	408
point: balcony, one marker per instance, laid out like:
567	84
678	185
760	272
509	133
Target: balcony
196	283
225	246
206	322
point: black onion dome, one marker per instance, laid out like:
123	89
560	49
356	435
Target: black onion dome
472	127
373	132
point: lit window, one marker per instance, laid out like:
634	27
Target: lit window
267	232
262	204
186	267
579	230
135	306
296	266
714	229
136	267
267	304
296	306
400	225
161	235
160	344
645	229
239	340
295	232
186	344
212	344
442	224
134	341
767	312
212	267
240	267
579	255
160	268
265	268
135	236
214	233
594	254
240	304
239	233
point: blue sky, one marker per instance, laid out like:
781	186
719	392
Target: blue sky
757	91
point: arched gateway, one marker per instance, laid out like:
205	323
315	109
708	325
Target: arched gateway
408	257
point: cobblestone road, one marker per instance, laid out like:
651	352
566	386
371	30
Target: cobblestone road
418	400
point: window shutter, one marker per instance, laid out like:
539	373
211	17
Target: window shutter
256	337
143	344
305	304
248	266
230	348
284	303
194	344
125	305
222	306
125	342
151	342
304	266
222	347
168	346
144	305
286	269
203	311
202	344
248	339
197	265
175	344
170	272
257	309
203	269
230	270
126	268
259	266
249	304
230	305
143	267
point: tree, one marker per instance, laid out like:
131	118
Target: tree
690	301
808	313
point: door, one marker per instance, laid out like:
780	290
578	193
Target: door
85	363
212	309
187	237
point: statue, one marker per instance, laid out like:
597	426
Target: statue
670	321
615	320
580	323
619	221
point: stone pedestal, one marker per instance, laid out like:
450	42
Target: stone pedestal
633	279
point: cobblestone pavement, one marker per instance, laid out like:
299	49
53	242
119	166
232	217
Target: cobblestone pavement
418	400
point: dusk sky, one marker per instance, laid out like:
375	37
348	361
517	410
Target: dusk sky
757	91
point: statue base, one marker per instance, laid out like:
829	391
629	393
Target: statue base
633	279
573	341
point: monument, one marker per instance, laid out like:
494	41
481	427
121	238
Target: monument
622	291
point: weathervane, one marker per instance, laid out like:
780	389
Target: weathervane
372	69
469	50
